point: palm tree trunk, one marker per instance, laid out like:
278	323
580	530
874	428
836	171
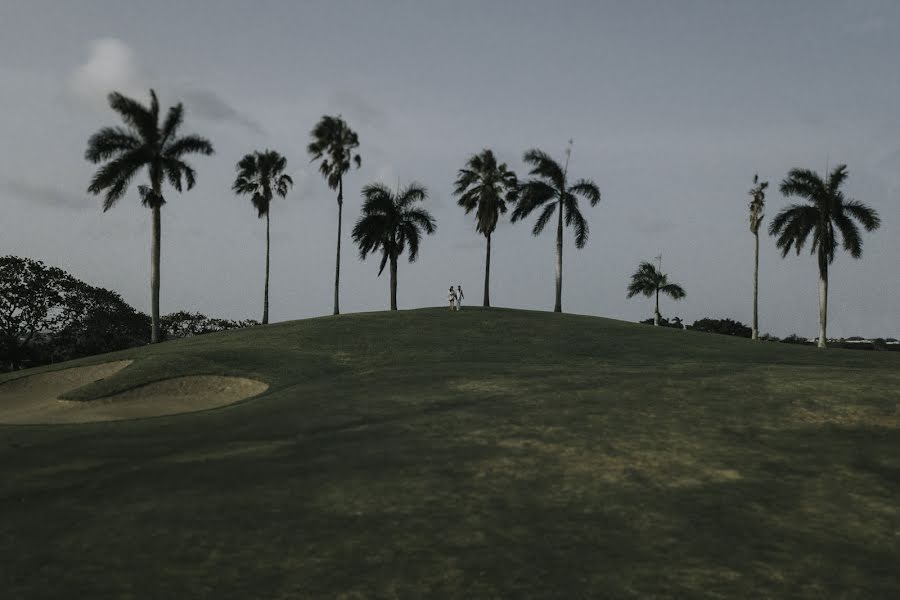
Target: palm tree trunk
265	319
755	329
559	248
656	314
393	282
487	273
337	265
823	300
155	240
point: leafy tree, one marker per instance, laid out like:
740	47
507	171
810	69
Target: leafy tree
32	304
757	204
333	144
143	142
96	321
549	188
827	212
261	176
675	323
391	223
184	324
648	280
486	187
722	326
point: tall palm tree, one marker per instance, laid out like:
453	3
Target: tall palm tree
648	280
390	222
828	210
550	188
144	143
333	144
757	204
487	188
261	176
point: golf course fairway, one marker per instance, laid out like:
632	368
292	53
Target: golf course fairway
486	453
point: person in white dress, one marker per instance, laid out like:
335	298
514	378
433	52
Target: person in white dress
459	297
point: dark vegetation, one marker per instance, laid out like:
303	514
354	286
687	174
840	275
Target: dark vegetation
49	316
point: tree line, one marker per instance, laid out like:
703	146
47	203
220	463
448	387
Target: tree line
393	222
48	316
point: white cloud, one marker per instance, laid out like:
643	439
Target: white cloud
111	66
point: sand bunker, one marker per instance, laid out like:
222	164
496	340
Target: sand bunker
34	400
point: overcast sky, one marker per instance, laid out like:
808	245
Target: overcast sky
672	107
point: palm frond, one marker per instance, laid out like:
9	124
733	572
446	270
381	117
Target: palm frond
114	176
531	195
173	121
805	184
110	142
581	227
543	219
189	144
673	290
544	166
850	235
136	115
868	217
587	189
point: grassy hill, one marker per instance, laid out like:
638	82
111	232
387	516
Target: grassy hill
485	453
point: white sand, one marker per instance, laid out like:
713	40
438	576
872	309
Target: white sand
34	400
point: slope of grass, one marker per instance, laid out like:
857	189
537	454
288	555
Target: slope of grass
475	454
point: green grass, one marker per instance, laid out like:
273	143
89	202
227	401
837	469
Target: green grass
478	454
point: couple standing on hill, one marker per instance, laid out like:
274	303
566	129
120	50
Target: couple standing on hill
455	297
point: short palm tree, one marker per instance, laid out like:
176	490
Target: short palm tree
649	281
757	204
261	176
390	223
144	143
828	211
333	144
486	187
550	188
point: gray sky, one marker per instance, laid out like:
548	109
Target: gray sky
672	105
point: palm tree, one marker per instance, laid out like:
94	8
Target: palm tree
260	175
828	209
391	222
648	280
757	203
144	143
333	143
550	189
486	187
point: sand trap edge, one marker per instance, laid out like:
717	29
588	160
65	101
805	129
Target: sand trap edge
35	399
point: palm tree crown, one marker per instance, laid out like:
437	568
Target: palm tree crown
650	281
487	188
261	176
333	144
828	211
143	143
392	223
757	203
549	188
